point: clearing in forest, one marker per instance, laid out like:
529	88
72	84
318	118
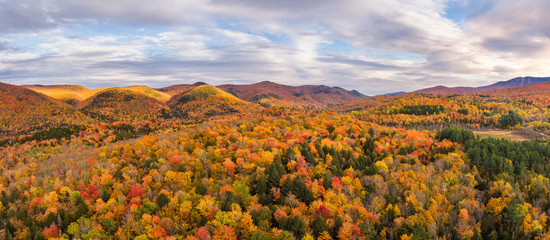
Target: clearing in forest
512	135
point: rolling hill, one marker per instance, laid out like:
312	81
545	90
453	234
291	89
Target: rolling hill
74	94
272	94
206	101
536	95
536	89
119	104
516	82
158	95
192	101
24	110
179	88
264	93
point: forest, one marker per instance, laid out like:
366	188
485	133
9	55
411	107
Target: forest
404	167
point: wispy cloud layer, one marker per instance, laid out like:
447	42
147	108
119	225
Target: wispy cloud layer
372	46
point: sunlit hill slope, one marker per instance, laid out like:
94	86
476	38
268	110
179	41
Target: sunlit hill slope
206	101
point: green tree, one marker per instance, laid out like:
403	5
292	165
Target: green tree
318	226
109	225
162	200
512	217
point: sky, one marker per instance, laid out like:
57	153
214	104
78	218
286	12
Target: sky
372	46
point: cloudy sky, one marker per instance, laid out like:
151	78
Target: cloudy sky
373	46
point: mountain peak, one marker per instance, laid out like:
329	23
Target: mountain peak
267	83
269	93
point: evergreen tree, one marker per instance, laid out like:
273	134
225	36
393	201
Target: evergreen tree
318	226
162	200
512	217
302	191
338	223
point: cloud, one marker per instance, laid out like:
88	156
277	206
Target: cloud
522	45
356	62
160	12
515	34
512	26
23	15
371	46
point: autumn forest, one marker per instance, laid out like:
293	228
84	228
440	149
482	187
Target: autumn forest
270	161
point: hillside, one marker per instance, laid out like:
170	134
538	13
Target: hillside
272	94
75	93
159	96
179	88
264	93
71	94
206	101
119	104
536	89
516	82
24	110
404	167
537	95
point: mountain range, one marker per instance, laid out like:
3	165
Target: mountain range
31	107
272	94
515	82
263	93
517	87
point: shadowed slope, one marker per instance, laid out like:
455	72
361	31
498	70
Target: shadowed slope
272	94
24	110
118	104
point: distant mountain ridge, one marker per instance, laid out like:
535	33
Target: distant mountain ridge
515	82
268	93
395	94
540	89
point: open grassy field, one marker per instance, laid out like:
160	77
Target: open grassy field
513	135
